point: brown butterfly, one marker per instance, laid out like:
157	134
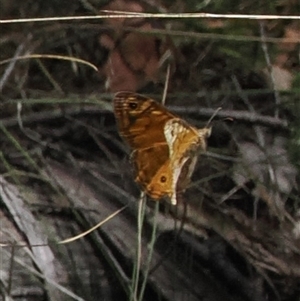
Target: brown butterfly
165	147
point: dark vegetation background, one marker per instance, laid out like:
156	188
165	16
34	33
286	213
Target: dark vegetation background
64	168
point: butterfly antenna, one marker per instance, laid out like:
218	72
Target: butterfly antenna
166	85
213	116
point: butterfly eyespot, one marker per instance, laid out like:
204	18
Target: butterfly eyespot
163	179
132	105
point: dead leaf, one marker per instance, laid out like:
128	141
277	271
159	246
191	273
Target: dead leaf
291	32
134	58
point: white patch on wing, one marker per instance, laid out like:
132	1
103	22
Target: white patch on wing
172	129
184	142
175	175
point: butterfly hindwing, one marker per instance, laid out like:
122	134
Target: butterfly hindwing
180	137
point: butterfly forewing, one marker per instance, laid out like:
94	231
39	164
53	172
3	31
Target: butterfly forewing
140	120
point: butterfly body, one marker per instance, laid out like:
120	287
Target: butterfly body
165	147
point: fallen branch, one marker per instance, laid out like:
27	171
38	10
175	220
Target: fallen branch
242	116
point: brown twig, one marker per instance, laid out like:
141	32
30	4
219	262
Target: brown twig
242	116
